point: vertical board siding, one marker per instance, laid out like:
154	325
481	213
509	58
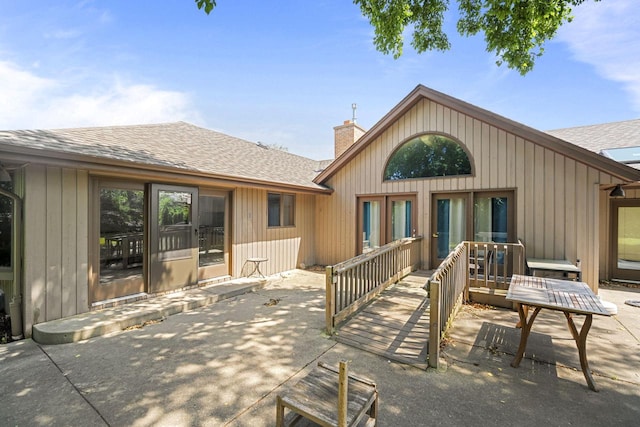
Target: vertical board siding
285	247
55	244
69	271
556	198
82	239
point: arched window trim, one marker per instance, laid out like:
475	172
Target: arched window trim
418	135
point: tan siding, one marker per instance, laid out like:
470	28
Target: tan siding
559	209
285	247
548	195
70	242
35	215
55	244
557	199
82	239
570	228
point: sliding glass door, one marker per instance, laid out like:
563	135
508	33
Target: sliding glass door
474	216
449	224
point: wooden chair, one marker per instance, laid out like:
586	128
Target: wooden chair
330	398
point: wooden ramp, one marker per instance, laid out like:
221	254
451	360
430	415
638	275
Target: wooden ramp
395	325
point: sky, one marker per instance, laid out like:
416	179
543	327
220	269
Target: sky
286	72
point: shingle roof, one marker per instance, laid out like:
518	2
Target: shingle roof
600	137
179	145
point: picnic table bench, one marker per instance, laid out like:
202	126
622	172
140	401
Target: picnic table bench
329	397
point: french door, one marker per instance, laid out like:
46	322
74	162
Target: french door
625	239
476	216
383	219
173	240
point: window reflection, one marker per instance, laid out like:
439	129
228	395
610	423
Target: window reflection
174	224
629	238
490	219
211	230
370	226
121	233
428	156
400	219
6	226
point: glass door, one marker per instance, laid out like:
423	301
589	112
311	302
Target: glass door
370	223
213	234
121	240
626	240
173	241
449	224
401	214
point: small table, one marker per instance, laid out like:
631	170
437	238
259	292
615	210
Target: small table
256	265
562	295
556	265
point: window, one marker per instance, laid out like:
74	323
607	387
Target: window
6	226
121	233
280	209
428	156
490	217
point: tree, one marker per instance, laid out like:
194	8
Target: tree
515	30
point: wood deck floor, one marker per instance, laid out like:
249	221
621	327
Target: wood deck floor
395	325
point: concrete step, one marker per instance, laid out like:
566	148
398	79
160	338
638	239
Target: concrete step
104	321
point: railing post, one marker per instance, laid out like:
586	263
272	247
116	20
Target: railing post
434	323
330	306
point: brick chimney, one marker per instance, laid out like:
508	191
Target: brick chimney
346	135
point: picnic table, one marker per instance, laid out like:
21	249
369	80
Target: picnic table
566	296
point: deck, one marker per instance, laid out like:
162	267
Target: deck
395	325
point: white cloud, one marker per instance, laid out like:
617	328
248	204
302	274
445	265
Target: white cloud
30	101
607	35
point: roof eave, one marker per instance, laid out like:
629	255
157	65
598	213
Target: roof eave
603	164
101	165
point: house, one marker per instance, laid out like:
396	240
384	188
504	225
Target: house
119	213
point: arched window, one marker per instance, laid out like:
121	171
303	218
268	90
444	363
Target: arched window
428	156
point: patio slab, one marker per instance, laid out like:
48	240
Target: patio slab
223	365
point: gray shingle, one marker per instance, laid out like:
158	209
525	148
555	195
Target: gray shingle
177	145
600	137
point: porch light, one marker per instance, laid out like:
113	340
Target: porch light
618	191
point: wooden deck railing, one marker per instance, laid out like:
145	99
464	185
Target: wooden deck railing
446	288
491	265
353	283
479	265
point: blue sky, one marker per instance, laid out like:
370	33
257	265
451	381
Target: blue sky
286	72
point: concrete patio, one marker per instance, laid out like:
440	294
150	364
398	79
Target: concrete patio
222	364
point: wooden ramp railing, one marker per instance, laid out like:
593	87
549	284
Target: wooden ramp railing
491	266
353	283
471	267
446	288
